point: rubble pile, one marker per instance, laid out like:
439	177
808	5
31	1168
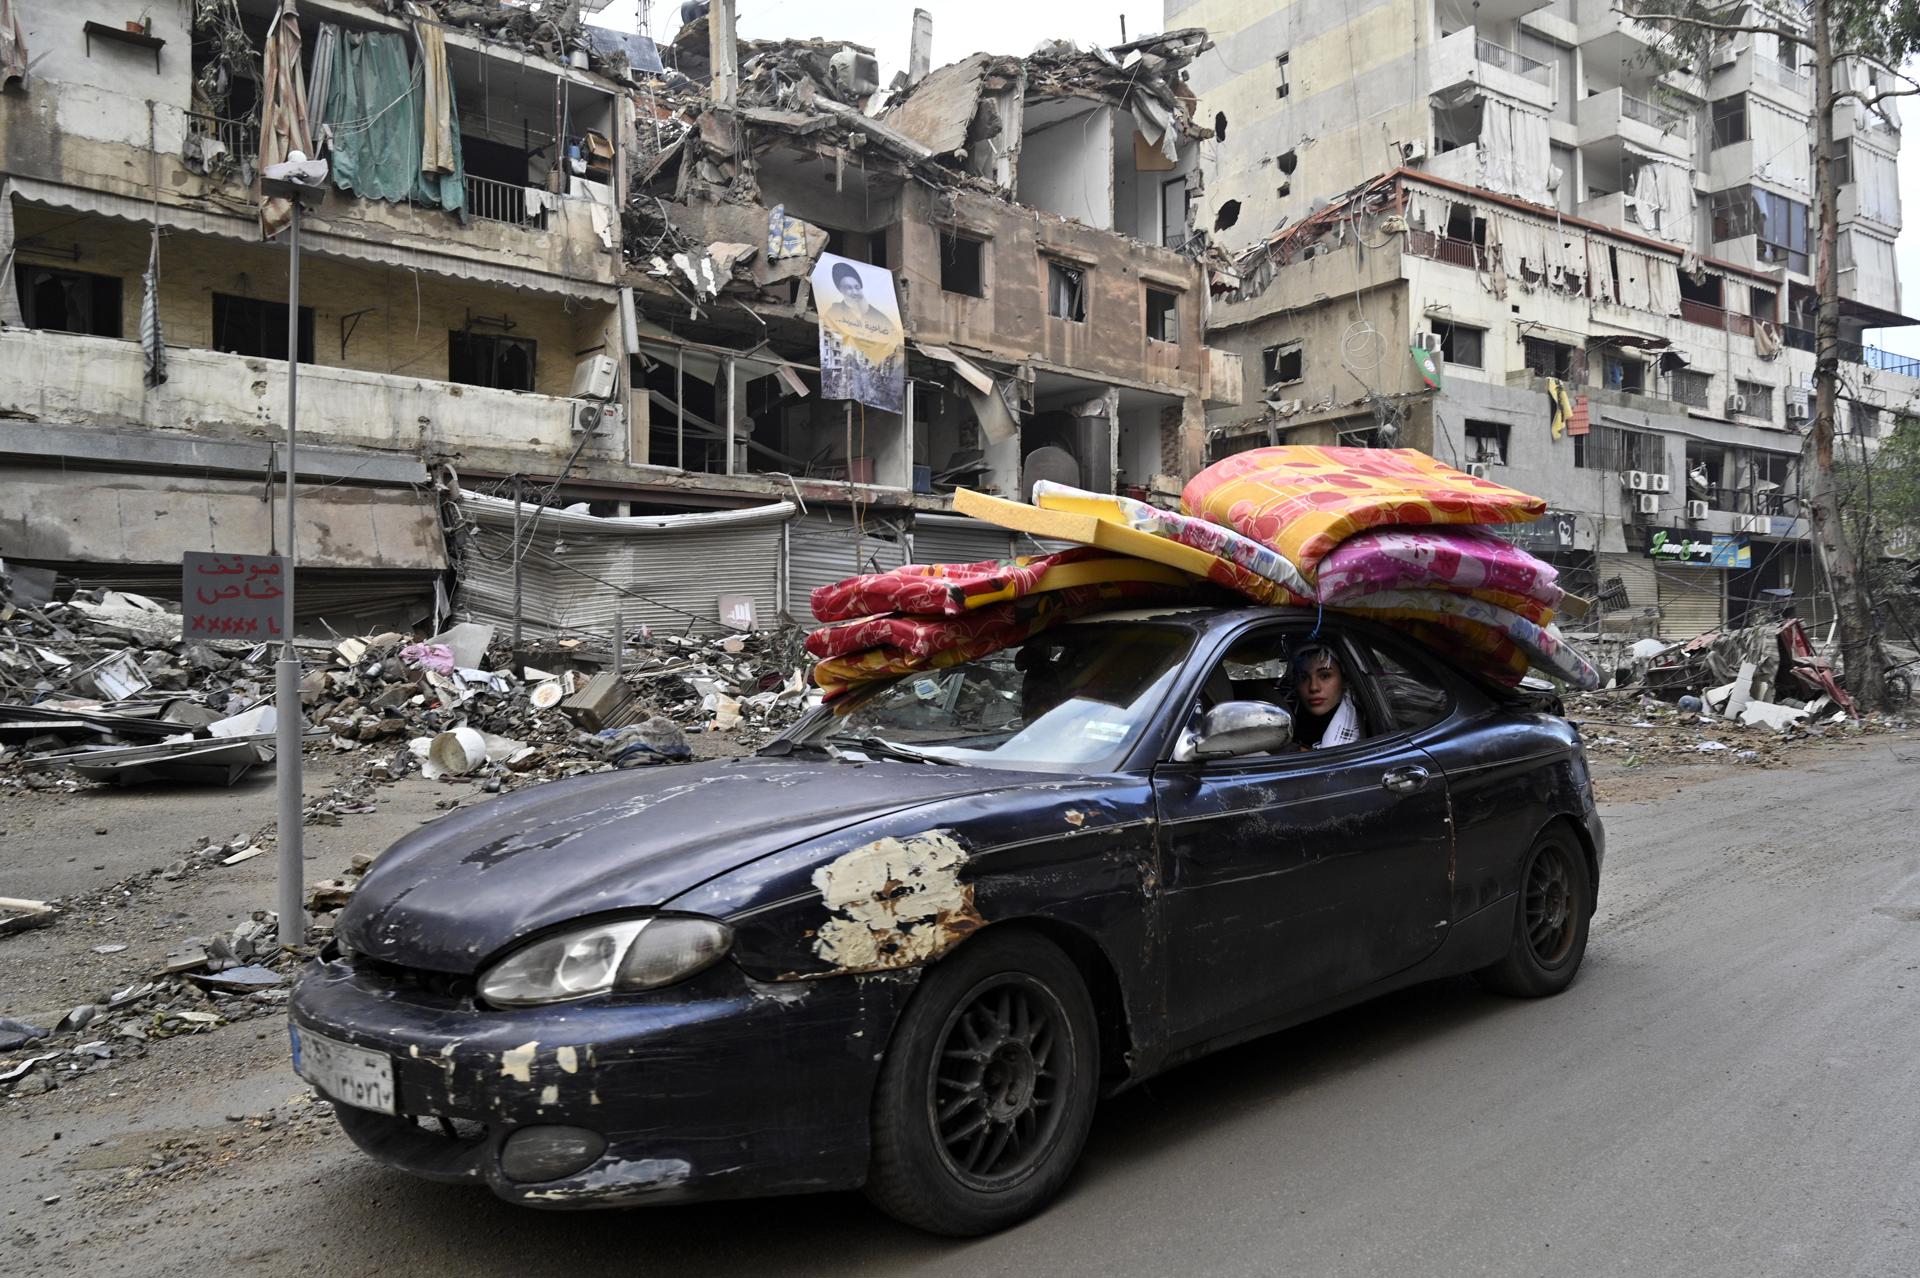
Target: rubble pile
103	687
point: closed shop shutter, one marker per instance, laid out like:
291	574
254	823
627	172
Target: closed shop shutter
1692	601
667	572
958	539
822	551
1634	571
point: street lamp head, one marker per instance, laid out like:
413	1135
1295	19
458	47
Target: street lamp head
297	169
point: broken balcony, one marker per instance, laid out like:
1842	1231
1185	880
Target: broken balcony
1616	120
1466	62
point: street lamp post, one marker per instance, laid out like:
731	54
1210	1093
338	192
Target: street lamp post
301	182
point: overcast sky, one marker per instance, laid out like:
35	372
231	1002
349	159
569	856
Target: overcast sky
961	27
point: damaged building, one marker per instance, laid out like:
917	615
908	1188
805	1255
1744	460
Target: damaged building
1523	244
560	262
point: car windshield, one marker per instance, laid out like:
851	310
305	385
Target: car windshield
1073	699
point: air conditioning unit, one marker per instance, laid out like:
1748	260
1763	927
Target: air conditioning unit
1736	404
1637	481
1478	470
1427	340
1659	484
1411	151
1752	524
1649	504
1725	55
1696	511
591	419
593	377
1799	410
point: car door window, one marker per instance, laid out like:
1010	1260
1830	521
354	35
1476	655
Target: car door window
1259	666
1409	696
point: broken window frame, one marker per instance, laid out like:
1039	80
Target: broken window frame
1544	357
492	365
1759	397
1167	313
947	242
1487	442
1457	341
1174	235
1066	290
101	297
237	318
1274	361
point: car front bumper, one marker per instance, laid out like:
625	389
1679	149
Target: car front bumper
720	1087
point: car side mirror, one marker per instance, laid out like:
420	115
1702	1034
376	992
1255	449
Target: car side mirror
1234	728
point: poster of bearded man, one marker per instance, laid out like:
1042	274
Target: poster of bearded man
862	344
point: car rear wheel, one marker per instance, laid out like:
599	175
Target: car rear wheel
1550	920
988	1089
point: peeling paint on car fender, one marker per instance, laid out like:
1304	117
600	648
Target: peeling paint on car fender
517	1063
895	902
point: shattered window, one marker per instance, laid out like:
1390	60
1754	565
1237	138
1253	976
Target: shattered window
962	270
1487	442
249	326
1067	292
1758	397
490	359
1282	364
1462	345
1163	316
70	301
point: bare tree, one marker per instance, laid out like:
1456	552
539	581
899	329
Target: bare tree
1857	33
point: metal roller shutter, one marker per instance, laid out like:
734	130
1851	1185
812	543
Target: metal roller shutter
1692	601
666	572
821	552
958	539
1635	572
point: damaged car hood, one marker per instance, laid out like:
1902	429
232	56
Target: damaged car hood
450	896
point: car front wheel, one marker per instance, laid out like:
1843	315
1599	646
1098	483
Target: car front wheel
1550	920
988	1089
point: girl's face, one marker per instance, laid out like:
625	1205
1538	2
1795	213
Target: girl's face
1321	685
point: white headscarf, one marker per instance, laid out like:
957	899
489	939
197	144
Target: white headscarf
1344	727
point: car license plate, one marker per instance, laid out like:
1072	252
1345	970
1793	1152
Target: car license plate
352	1075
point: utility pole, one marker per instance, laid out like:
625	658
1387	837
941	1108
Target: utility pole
300	182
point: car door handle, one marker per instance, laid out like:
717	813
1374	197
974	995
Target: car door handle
1405	780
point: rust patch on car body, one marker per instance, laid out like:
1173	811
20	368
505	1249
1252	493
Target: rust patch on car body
895	902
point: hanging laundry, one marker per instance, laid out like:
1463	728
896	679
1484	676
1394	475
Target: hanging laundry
1559	407
442	175
153	347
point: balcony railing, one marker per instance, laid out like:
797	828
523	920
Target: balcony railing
1654	117
1714	317
1802	339
1498	55
1785	76
494	201
239	139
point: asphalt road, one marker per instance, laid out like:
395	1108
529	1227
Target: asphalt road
1731	1087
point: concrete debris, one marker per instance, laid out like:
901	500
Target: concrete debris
20	915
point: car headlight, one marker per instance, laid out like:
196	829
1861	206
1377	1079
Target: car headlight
626	955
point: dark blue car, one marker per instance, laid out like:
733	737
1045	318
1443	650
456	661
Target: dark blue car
909	945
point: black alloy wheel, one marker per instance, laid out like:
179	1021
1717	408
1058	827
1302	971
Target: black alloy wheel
1548	905
1550	919
988	1087
994	1097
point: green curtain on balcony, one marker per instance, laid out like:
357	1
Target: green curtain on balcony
376	101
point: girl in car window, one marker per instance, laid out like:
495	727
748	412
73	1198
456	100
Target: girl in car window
1327	716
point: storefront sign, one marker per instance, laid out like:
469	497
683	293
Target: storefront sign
1698	550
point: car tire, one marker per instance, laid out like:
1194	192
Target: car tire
1550	920
988	1088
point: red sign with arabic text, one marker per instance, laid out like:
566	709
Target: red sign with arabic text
231	596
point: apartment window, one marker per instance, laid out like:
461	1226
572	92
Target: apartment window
70	301
1758	397
1462	345
1623	374
1487	442
1175	202
1547	359
1283	363
858	245
1163	315
1863	420
1280	61
249	326
490	359
1067	292
963	266
1842	161
1762	303
1777	223
1730	120
1691	388
1610	448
